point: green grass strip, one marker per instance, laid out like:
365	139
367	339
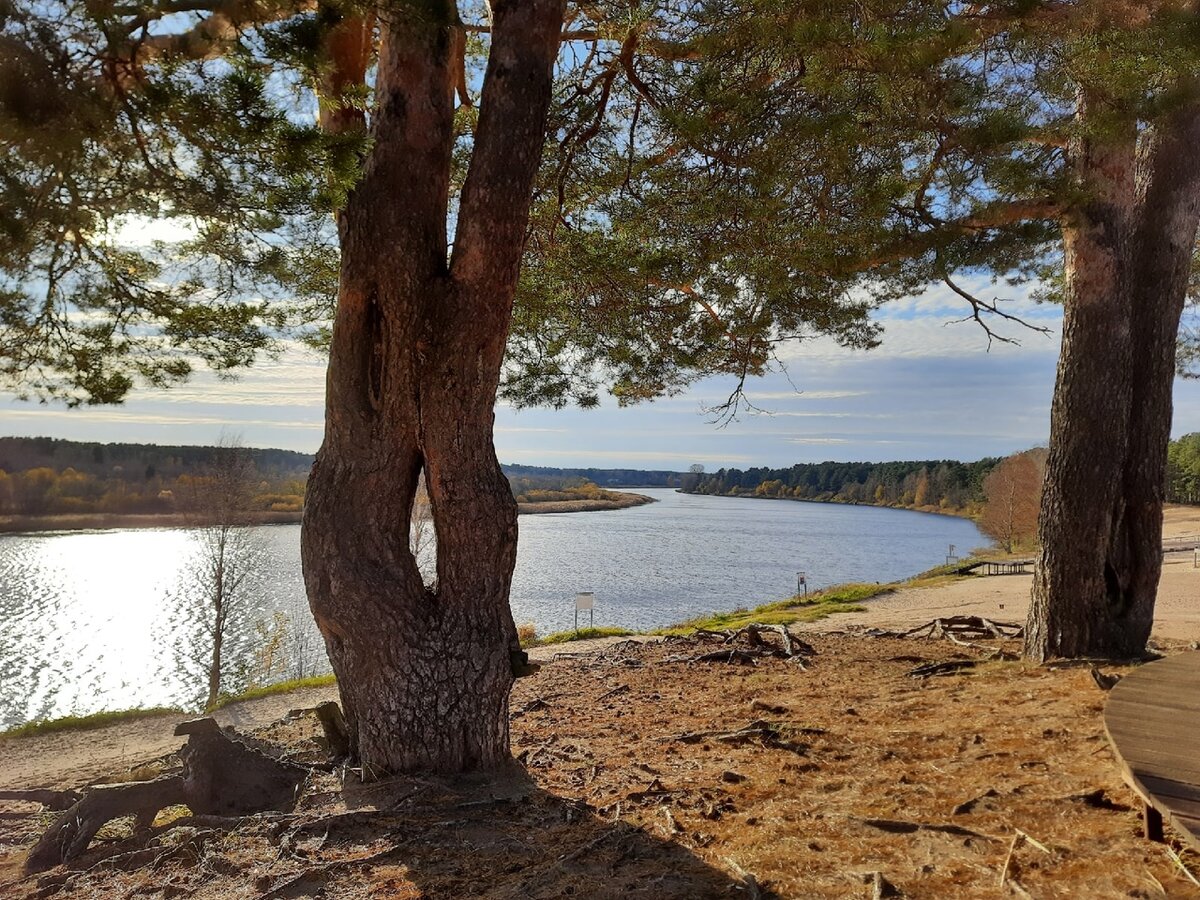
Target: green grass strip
92	720
269	690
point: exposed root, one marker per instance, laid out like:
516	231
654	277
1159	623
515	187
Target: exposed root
221	776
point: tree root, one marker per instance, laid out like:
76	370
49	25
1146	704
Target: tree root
221	777
789	646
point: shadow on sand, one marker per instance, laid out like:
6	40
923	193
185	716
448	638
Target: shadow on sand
499	837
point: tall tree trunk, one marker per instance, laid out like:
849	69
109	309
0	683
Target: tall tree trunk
1128	253
424	673
1169	197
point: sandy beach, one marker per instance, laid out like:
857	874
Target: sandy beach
1006	597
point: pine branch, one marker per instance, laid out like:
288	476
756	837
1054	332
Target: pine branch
980	307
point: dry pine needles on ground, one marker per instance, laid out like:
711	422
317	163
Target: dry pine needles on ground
647	770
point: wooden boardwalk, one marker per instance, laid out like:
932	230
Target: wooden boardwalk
999	567
1153	723
1181	544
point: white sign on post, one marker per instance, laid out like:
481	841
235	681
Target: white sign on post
585	600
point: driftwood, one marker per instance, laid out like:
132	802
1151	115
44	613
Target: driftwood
221	777
958	629
951	667
789	646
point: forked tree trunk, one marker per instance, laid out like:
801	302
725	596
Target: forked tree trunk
1128	255
424	672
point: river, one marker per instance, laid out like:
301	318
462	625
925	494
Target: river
106	619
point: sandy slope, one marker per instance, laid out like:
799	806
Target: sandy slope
1006	598
72	758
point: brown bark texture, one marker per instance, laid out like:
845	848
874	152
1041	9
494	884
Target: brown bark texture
1129	250
419	335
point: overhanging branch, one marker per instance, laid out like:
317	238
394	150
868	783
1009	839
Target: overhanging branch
980	307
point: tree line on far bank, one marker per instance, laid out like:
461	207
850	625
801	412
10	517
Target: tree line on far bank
54	477
937	485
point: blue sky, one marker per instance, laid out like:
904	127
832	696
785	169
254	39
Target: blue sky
931	391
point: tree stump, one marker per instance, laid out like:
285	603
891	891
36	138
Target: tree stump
221	776
224	777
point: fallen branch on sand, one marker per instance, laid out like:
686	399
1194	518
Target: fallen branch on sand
958	629
766	734
789	646
952	667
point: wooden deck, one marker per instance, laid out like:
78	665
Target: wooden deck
999	567
1153	723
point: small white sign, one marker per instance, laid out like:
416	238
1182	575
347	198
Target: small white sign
585	600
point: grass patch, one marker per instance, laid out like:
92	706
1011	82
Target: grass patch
583	634
92	720
269	690
842	598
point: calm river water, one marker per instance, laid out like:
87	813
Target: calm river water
102	620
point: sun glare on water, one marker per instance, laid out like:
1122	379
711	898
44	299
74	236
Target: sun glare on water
110	600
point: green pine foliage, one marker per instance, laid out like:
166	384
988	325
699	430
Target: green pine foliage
1183	469
718	177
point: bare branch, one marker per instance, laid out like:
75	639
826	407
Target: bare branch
979	307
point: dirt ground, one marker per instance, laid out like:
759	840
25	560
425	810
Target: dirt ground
637	783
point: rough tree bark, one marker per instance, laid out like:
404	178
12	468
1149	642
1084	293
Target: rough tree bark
418	342
1128	254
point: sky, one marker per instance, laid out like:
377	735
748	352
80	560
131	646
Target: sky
932	390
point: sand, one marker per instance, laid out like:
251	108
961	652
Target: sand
1006	597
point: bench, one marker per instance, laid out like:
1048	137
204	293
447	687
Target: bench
1153	723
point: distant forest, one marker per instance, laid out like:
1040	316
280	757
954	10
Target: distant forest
944	485
1183	469
49	476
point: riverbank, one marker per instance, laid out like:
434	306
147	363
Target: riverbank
1006	597
624	500
110	521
